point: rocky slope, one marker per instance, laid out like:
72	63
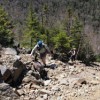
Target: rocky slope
65	81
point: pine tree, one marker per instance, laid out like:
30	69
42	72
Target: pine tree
32	28
5	28
62	44
76	31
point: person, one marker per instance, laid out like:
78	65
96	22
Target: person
72	54
42	49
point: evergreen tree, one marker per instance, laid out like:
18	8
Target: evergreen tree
5	28
62	44
76	31
32	28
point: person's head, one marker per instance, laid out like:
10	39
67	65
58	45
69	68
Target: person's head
40	43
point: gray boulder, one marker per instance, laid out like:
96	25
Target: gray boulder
10	51
7	93
6	74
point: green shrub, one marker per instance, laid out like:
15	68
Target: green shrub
98	58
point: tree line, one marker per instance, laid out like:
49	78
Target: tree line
60	38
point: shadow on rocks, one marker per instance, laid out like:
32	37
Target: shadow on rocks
51	66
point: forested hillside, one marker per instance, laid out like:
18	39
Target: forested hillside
70	17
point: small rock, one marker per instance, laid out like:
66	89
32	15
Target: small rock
45	97
81	81
64	82
28	86
20	92
29	72
59	98
43	91
38	82
26	98
56	88
26	79
77	82
47	82
94	82
36	75
35	86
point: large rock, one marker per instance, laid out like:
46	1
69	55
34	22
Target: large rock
6	74
11	68
10	51
39	67
18	69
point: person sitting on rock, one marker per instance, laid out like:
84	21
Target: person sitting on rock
42	49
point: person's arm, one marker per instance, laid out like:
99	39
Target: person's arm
70	52
47	48
74	52
33	50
